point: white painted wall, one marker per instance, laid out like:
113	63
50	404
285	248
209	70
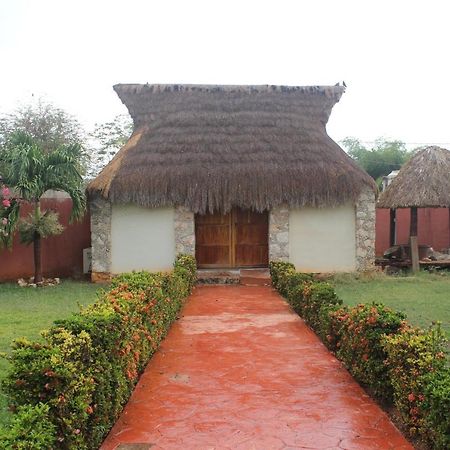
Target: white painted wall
141	238
323	240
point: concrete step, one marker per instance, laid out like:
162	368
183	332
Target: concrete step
218	276
246	277
255	277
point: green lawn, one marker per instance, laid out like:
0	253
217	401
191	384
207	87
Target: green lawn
424	298
27	311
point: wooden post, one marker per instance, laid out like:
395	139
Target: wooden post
392	230
413	222
414	247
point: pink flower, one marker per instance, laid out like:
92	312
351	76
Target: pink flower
5	191
4	221
6	203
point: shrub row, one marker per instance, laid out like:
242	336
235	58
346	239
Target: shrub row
398	363
70	390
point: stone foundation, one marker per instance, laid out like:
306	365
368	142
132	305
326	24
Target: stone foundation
101	213
100	277
184	225
365	231
279	234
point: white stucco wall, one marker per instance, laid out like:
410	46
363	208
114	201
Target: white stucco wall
141	238
323	240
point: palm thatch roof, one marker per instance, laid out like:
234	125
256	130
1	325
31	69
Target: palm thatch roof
423	182
214	147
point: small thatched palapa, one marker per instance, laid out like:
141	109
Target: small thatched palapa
211	148
423	182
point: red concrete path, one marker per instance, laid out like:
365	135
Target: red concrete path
240	370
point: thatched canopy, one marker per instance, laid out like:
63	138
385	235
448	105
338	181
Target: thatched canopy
214	147
423	182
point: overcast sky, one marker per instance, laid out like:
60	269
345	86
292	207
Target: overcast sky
393	55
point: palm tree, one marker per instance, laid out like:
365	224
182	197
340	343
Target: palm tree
31	171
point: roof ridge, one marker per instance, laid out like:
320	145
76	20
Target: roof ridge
330	91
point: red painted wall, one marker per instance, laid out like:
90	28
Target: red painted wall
62	256
433	224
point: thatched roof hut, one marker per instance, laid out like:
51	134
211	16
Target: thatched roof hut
211	148
423	182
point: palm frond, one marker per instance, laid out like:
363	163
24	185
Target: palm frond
63	173
21	138
42	224
23	168
32	171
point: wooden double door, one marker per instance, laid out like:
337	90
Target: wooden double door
236	239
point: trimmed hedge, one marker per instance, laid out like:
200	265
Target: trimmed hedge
417	367
436	406
31	428
398	363
79	380
359	332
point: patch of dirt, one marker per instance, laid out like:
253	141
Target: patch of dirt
45	282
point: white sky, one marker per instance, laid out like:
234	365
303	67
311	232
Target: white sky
393	55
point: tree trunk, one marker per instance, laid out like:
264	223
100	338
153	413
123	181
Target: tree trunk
413	222
37	258
37	246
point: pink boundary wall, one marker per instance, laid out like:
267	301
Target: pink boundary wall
62	256
433	224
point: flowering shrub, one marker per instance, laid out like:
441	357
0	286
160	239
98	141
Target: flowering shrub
8	215
317	300
399	363
30	429
360	346
294	286
5	201
89	364
412	355
281	272
436	407
186	267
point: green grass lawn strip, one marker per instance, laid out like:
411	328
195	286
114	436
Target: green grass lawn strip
424	298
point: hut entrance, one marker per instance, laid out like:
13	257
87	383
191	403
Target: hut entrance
237	239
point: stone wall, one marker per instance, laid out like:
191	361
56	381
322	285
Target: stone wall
101	213
279	234
365	231
184	231
184	227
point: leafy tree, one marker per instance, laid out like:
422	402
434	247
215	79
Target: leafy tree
31	170
108	138
49	126
379	160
